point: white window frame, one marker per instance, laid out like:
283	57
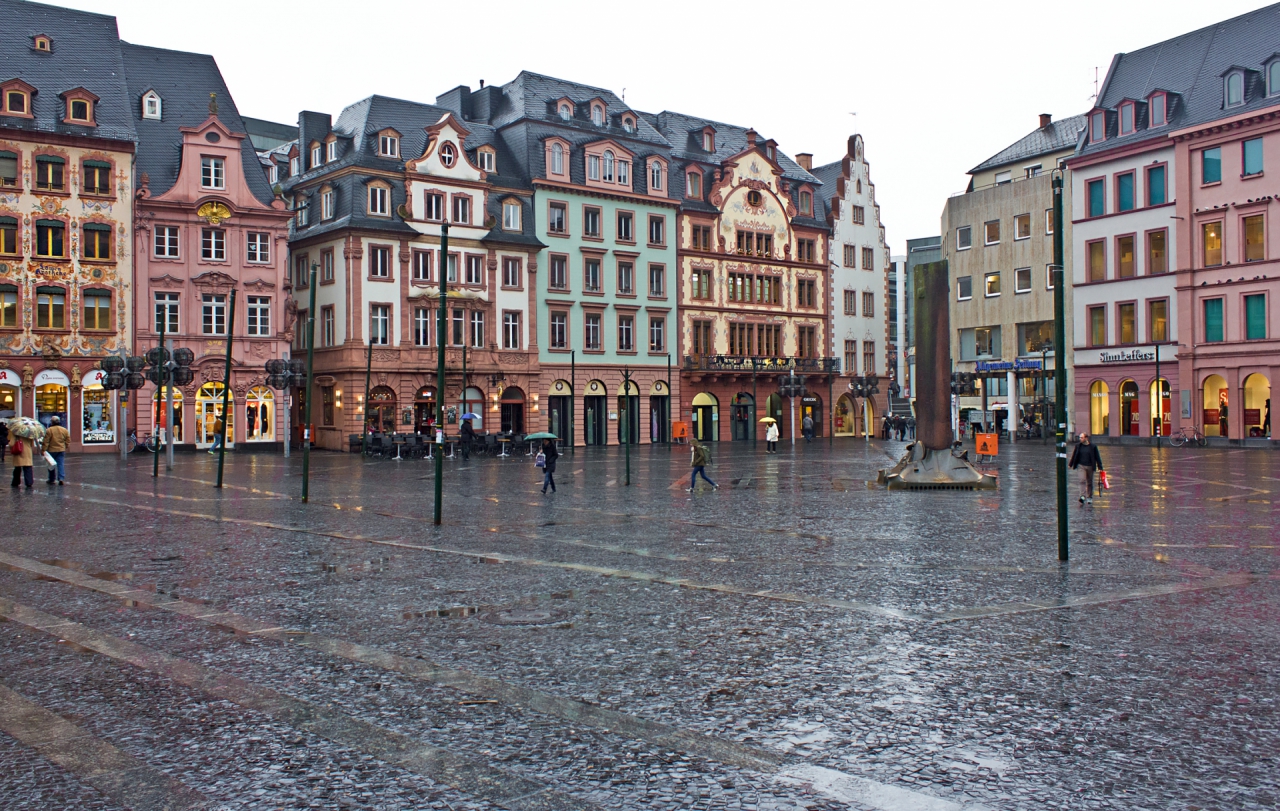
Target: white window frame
1017	280
1016	219
330	151
448	156
557	159
959	295
475	269
597	115
213	244
152	106
485	160
257	249
657	334
295	163
388	146
167	309
511	330
558	330
511	267
475	326
511	215
213	314
626	333
326	205
591	331
169	235
213	173
379	201
967	231
985	234
655	176
986	284
421	266
422	326
593	167
316	154
433	206
659	272
462	209
658	228
258	316
328	326
380	268
380	324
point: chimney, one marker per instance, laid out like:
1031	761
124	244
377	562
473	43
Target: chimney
751	138
1045	120
482	84
805	160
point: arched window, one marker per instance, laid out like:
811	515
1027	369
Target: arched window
448	155
655	176
608	167
806	203
597	115
557	159
566	112
152	106
1235	89
628	123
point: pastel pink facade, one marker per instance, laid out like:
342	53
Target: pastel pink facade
196	242
1229	280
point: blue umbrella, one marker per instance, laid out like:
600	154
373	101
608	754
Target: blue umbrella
470	416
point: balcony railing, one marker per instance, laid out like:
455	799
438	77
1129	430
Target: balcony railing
745	363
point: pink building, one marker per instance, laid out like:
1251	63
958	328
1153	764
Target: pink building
207	223
1229	351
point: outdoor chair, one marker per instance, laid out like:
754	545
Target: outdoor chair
490	444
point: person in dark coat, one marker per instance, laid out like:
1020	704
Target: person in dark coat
550	454
1086	459
468	434
4	440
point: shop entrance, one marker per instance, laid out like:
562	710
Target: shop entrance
706	417
596	417
1161	407
1129	420
208	410
629	415
512	403
773	408
1216	406
744	417
260	415
1257	406
159	415
845	420
1099	408
424	410
381	416
811	406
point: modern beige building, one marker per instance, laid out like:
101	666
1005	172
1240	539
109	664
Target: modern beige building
998	241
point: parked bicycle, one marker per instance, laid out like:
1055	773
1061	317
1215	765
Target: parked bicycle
151	442
1186	435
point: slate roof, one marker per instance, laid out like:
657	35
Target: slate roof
827	175
532	96
183	81
684	133
85	53
1192	66
1059	135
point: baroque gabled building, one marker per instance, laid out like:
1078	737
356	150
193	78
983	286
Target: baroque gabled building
66	211
206	223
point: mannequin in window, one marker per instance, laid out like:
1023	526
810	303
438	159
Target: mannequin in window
251	422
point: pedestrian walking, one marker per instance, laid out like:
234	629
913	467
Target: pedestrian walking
911	428
807	426
468	437
700	460
1087	460
1222	418
1266	422
56	440
548	456
771	435
23	451
218	428
4	440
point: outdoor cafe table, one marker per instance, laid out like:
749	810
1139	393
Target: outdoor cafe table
503	442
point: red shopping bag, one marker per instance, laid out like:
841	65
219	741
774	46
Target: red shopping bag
1106	482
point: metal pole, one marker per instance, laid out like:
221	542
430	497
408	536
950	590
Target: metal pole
670	397
831	413
441	336
364	416
170	421
755	405
573	398
122	430
1060	380
306	394
626	420
1159	420
226	389
162	377
465	339
288	406
792	398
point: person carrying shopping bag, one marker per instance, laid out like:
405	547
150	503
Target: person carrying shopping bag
547	461
1087	460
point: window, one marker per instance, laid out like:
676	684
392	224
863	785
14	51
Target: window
655	176
557	159
590	222
422	326
626	279
80	110
294	166
1254	238
869	357
593	167
300	211
300	272
708	141
1004	178
1235	89
388	146
380	262
95	241
326	265
1157	255
462	209
983	341
16	103
1098	326
8	235
315	156
1213	330
151	106
701	237
1252	156
591	275
1128	325
622	172
1126	119
1048	276
421	266
510	270
850	302
859	215
379	201
693	186
8	305
486	159
597	115
213	173
1157	188
806	342
453	268
1029	172
97	177
868	258
851	357
259	316
1098	126
1097	196
566	112
992	283
657	335
258	247
1097	260
1211	240
657	281
1255	317
1273	78
1048	222
448	155
1124	257
964	288
1022	280
97	309
628	123
50	308
380	324
805	292
557	219
455	331
1159	113
1158	320
511	215
806	203
477	329
626	330
49	173
331	151
558	275
625	233
1211	165
964	238
868	305
50	240
8	169
806	249
657	230
851	256
214	314
591	331
1124	192
327	326
1022	226
700	284
559	330
326	205
433	206
475	269
607	174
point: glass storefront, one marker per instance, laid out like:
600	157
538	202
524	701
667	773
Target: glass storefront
51	401
10	400
208	410
96	423
159	401
259	415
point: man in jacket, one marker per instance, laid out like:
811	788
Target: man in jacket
1087	459
549	456
468	434
218	428
807	428
699	464
56	440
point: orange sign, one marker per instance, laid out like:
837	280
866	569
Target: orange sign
679	430
988	444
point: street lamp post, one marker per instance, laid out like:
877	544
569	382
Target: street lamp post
306	396
1060	379
626	419
226	386
441	332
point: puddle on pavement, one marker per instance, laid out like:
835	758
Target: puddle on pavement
450	613
377	565
74	646
74	566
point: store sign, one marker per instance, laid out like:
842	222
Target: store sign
52	376
106	435
1120	357
1018	365
8	377
93	378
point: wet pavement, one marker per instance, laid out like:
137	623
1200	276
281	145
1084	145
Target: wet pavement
796	639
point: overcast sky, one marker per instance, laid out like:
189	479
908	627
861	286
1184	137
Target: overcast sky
937	87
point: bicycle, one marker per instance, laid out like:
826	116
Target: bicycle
1186	435
151	442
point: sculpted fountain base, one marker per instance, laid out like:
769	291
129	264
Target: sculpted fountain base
924	469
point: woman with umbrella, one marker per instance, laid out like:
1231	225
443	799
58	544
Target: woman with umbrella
770	435
24	433
547	456
468	434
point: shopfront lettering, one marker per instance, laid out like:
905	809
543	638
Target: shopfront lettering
1007	366
1129	356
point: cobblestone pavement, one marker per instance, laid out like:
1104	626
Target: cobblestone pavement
796	639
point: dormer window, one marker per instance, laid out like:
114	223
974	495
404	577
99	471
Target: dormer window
597	115
213	173
388	146
608	167
693	186
1158	109
80	110
623	172
566	111
1273	78
655	176
806	203
15	102
331	151
628	123
448	155
511	215
708	141
1098	126
294	165
42	43
486	158
152	106
1235	88
315	155
1126	119
557	159
593	167
80	103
